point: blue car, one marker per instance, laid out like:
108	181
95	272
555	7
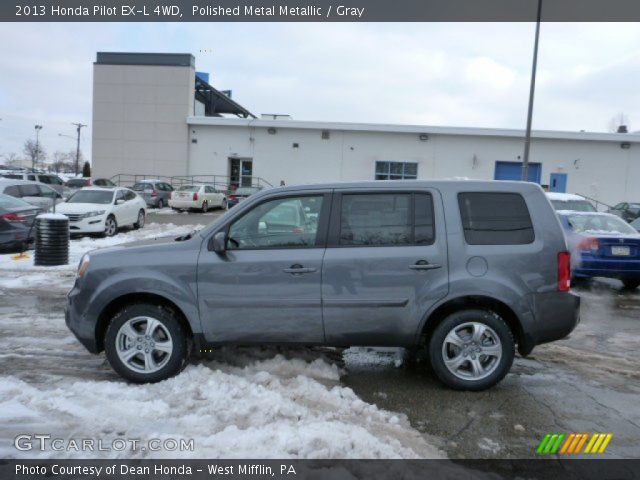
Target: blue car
602	245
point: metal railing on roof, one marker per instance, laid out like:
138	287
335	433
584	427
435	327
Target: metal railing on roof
221	182
598	203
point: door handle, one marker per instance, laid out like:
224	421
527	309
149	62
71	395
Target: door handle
424	265
298	269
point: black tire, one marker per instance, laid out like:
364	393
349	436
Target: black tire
169	320
487	318
630	284
141	221
108	233
205	207
160	204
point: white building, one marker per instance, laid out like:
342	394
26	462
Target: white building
149	120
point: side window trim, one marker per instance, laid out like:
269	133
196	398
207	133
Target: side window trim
323	220
333	240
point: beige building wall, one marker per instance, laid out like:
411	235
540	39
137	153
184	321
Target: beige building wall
139	119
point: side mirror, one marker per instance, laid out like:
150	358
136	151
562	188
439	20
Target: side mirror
119	201
219	242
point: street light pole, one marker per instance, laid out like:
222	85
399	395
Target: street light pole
34	160
532	88
79	127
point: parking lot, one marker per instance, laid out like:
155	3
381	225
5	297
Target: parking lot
312	402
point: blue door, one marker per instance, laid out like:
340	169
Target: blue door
513	171
558	182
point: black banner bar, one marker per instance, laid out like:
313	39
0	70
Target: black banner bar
317	10
542	469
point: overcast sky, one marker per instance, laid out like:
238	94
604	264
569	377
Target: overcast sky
473	75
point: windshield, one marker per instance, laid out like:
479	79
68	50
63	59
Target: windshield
246	191
575	205
7	201
91	196
78	183
139	187
599	224
189	188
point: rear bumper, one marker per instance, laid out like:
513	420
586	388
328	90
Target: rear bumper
556	315
608	267
184	204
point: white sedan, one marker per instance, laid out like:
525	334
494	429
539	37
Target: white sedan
103	210
201	197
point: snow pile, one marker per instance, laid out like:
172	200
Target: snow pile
21	273
246	403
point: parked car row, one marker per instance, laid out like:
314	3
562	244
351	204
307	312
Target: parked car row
16	223
602	244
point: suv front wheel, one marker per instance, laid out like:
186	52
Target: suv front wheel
146	343
471	349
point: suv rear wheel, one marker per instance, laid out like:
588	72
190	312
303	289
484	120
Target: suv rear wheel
146	343
471	349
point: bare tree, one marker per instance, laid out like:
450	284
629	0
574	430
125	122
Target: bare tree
35	153
11	159
617	121
60	161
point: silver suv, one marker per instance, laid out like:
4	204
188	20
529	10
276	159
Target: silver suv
469	270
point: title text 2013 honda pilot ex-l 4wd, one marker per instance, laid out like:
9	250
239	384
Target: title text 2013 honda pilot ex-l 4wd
466	269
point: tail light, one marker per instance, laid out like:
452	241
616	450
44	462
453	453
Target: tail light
233	198
564	271
589	244
195	197
12	217
154	194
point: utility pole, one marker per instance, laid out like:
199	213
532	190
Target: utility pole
34	160
79	127
532	88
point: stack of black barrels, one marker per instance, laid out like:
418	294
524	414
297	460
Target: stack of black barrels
52	240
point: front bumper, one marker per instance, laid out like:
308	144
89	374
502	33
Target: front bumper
83	328
88	225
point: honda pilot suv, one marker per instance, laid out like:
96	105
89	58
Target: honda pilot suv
468	270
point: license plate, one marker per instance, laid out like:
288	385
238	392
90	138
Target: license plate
620	251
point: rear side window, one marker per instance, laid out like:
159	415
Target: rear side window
495	219
30	190
13	191
386	219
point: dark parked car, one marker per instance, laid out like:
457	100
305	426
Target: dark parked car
626	210
75	184
155	192
603	245
16	222
468	270
240	194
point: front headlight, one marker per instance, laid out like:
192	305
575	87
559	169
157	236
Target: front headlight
93	214
84	265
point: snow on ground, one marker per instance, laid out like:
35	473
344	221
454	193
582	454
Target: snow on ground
239	403
22	273
241	407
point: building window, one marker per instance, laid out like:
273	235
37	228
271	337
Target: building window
396	171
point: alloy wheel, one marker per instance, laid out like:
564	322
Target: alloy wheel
144	344
472	351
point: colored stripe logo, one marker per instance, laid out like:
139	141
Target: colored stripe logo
573	443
